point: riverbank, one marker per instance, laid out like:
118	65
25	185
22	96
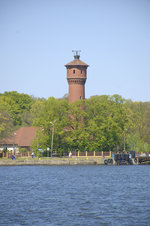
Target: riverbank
52	161
71	161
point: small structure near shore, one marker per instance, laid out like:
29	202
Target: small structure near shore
21	138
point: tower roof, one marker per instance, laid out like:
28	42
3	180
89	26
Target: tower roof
76	62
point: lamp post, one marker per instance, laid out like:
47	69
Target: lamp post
52	137
14	144
124	138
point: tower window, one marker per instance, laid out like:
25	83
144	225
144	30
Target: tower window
73	71
81	71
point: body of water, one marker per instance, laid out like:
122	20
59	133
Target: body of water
75	195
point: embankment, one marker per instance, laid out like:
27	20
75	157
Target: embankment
53	161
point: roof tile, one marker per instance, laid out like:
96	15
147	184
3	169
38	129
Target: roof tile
23	138
76	62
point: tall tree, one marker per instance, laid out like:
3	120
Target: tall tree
17	104
5	119
52	111
107	119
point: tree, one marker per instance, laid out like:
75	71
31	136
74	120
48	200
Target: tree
77	136
5	120
99	123
17	104
49	111
107	119
140	135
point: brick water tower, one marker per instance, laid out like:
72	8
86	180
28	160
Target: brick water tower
76	77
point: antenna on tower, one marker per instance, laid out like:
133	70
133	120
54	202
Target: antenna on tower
76	54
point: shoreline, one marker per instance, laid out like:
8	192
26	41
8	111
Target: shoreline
52	162
66	161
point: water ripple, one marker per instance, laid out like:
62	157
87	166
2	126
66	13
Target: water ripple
75	195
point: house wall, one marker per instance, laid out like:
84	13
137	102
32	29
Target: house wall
9	147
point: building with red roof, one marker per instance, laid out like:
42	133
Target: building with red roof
21	138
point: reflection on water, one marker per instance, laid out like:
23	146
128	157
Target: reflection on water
75	195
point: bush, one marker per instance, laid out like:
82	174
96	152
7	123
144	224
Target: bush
23	150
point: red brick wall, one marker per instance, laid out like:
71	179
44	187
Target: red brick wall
76	77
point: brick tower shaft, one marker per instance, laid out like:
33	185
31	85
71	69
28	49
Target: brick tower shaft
76	77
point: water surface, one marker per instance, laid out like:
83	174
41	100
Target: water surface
75	195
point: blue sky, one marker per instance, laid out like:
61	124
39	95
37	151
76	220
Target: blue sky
37	38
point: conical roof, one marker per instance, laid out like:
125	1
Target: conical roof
76	62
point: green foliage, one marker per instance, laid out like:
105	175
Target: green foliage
107	119
17	104
5	150
60	152
135	143
101	123
23	150
51	111
141	113
6	121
